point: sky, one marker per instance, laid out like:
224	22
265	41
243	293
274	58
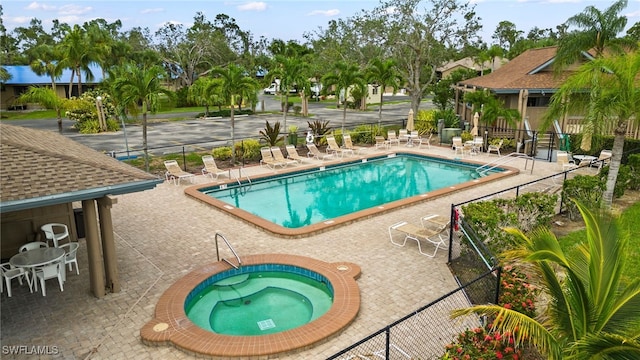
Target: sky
284	19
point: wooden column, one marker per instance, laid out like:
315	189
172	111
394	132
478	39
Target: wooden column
108	244
96	270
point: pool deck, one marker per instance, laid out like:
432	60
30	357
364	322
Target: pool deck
162	235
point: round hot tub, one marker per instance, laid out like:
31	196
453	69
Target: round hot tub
271	304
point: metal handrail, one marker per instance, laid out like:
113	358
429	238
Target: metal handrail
218	234
505	159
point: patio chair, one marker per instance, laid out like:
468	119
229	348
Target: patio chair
292	154
51	271
457	145
315	153
564	159
278	156
392	138
51	234
381	142
175	173
332	146
70	258
269	160
430	230
348	144
9	273
495	148
603	159
33	245
211	168
403	135
424	141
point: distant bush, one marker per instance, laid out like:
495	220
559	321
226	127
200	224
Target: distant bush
584	188
222	153
248	149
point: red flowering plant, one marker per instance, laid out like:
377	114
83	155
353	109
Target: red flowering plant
516	293
483	344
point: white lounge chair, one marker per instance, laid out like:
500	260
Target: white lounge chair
315	153
403	135
278	156
175	173
424	141
292	154
211	168
348	144
269	160
457	145
603	159
392	138
495	148
381	142
433	229
332	146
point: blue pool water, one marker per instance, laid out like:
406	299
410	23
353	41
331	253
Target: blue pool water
259	300
304	198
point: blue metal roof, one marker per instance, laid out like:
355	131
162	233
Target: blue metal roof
23	75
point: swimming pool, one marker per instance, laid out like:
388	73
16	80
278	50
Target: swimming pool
259	300
303	202
171	325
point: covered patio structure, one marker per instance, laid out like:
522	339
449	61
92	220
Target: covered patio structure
42	175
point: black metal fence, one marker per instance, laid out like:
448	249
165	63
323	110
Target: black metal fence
424	333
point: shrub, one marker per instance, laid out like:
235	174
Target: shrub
425	122
222	153
622	181
249	149
449	116
634	166
364	134
297	109
271	134
482	343
466	136
84	112
319	128
586	189
516	292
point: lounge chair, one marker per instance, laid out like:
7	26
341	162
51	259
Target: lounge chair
603	159
292	154
495	148
424	141
269	160
457	145
315	153
382	142
403	135
433	229
392	138
332	146
278	156
348	144
211	168
175	173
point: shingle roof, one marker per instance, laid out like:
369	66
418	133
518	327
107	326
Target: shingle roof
44	164
530	70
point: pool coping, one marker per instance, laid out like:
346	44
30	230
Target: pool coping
171	326
313	229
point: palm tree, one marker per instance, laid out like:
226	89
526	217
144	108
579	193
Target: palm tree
590	314
234	83
141	86
47	61
47	98
78	55
614	98
292	71
384	73
599	31
343	77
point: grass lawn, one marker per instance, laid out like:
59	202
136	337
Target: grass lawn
630	220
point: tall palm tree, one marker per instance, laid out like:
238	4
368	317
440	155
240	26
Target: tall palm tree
78	55
598	32
590	314
47	98
47	60
233	83
613	98
292	71
141	86
343	76
384	73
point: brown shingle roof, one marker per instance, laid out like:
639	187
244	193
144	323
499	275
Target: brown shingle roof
37	164
519	73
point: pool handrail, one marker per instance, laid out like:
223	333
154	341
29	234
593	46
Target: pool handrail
219	234
482	170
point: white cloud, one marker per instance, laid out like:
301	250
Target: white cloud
38	6
633	14
151	11
331	12
74	10
69	19
18	20
253	6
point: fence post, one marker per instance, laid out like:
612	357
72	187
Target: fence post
184	159
387	345
499	269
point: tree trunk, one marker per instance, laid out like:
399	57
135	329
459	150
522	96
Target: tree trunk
233	136
380	108
285	110
144	140
79	82
614	165
344	113
59	114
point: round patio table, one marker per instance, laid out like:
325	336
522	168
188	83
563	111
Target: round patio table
34	258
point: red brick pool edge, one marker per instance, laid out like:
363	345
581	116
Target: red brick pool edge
171	326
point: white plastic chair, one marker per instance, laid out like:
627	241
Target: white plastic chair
9	273
457	145
495	148
70	257
392	138
33	245
51	271
51	234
